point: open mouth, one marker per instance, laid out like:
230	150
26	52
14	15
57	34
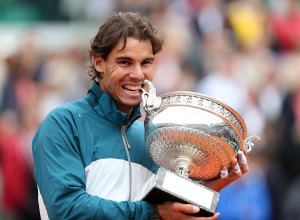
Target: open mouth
132	88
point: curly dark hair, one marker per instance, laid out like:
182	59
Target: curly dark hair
117	26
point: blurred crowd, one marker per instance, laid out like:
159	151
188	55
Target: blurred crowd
245	53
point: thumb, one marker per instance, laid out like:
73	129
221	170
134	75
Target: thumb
186	208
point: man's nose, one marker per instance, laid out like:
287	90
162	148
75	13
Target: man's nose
137	72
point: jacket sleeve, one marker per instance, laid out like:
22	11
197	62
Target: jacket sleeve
60	175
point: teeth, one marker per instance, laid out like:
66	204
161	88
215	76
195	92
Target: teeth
132	88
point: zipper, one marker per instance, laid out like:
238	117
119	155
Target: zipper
127	148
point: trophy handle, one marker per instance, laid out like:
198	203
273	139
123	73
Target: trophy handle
248	142
150	100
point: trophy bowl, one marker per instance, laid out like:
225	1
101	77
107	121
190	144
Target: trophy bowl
193	135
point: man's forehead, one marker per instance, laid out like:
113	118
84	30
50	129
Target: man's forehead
123	42
133	45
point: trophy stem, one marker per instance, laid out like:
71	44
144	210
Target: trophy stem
182	165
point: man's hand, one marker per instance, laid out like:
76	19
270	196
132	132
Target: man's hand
175	210
239	166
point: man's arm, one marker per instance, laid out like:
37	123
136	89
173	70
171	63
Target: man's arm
60	175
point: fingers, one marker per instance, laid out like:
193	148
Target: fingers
215	216
238	167
233	173
224	173
228	176
242	160
176	210
186	208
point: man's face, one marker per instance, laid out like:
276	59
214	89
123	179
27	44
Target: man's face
123	73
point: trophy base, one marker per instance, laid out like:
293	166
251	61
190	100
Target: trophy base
169	186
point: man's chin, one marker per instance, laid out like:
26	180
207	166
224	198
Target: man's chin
133	104
130	103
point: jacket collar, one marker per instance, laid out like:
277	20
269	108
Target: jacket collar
104	105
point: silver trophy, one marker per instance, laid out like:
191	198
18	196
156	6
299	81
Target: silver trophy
190	136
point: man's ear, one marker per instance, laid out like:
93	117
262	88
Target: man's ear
99	64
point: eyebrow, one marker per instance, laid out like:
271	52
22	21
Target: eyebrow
128	58
149	58
123	58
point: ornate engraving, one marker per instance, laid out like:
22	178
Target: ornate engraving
205	103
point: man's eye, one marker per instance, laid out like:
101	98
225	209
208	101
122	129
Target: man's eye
147	62
124	62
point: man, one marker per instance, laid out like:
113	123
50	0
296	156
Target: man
90	156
